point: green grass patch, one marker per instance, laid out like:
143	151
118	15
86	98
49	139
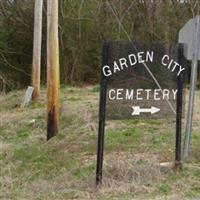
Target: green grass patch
23	134
2	156
18	135
84	172
193	193
160	140
36	104
174	177
96	88
37	161
74	98
164	188
123	139
197	173
67	120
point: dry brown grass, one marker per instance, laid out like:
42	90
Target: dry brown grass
131	172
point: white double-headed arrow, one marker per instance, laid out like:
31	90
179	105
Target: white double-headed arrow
137	110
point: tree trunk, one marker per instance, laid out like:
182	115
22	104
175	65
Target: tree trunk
37	48
52	68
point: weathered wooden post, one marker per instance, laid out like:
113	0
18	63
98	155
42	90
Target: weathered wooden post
37	42
52	68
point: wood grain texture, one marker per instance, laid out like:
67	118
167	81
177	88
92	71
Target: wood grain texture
52	69
37	42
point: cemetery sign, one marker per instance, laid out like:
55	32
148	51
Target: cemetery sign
140	81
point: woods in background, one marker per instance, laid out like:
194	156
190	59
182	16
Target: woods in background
83	25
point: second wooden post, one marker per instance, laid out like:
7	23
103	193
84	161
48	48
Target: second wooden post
52	69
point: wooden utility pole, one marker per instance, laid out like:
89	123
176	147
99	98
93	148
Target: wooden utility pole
37	42
52	68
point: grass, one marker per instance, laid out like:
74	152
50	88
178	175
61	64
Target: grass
123	139
164	188
64	167
82	173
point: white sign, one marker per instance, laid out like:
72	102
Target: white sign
187	36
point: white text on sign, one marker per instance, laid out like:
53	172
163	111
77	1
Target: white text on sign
142	94
141	57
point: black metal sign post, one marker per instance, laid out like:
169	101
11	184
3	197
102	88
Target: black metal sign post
102	114
179	108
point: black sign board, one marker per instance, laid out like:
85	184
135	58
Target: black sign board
140	81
